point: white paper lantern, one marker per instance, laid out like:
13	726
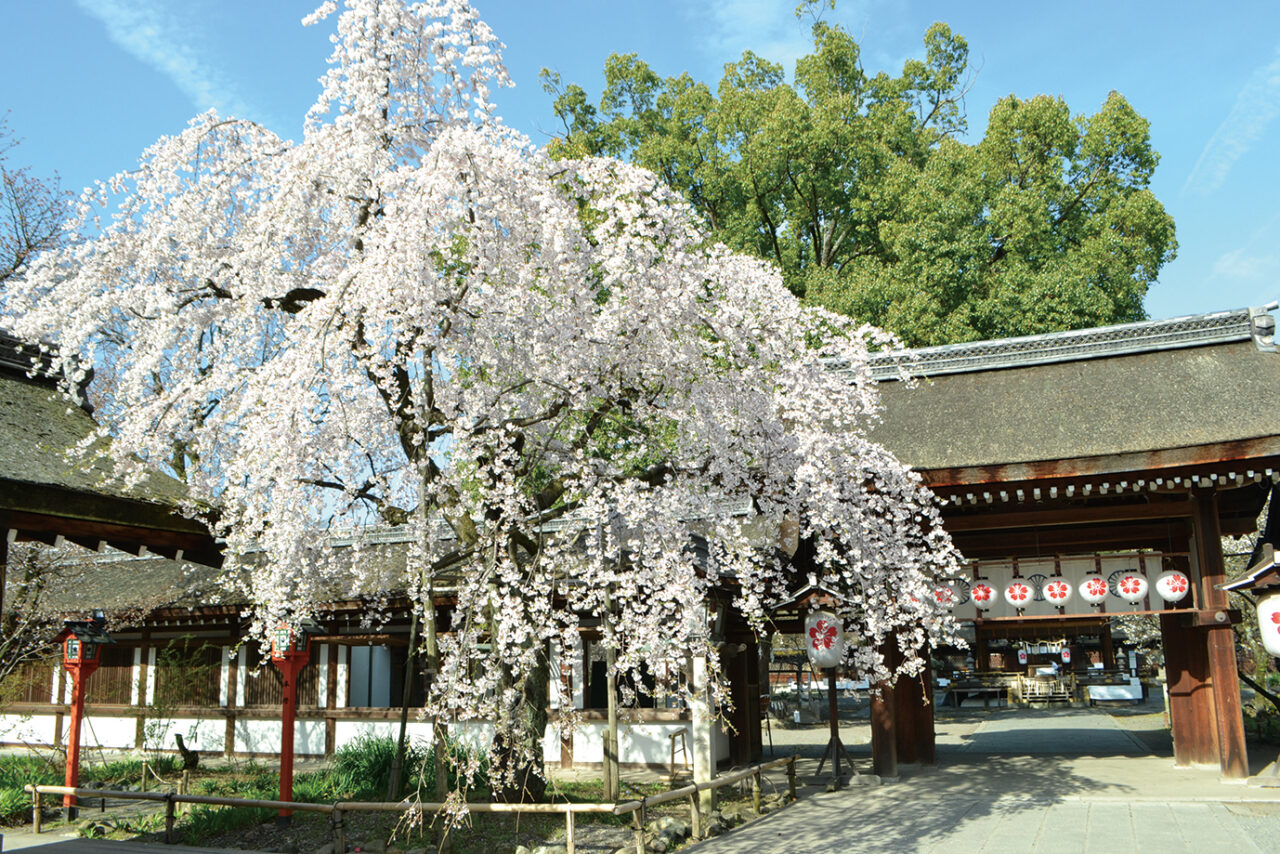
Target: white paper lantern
1172	586
825	640
1093	589
1018	594
1269	622
1057	591
946	597
1066	655
1132	587
1022	656
984	596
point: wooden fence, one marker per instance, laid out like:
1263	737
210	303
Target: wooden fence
338	810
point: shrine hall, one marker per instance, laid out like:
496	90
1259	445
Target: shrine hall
1131	448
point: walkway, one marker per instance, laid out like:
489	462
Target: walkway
49	843
1017	780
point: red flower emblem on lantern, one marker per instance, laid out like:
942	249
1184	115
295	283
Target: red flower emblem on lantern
944	595
1275	618
822	635
1097	587
1130	584
1019	592
1056	590
983	593
1177	584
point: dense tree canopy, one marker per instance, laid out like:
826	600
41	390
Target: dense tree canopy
860	190
542	368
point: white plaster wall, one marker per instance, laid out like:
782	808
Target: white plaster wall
207	735
638	743
27	729
109	732
259	736
418	732
720	743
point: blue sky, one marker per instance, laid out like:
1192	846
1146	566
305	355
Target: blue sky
90	83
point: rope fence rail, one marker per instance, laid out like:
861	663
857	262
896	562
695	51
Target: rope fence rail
338	810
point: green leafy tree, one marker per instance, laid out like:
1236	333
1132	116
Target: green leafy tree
860	189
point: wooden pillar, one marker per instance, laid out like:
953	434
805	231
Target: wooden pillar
914	734
1219	640
981	655
1191	712
1108	647
884	742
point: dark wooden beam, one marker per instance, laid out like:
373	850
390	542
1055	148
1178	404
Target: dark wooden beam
1052	516
1217	458
1034	542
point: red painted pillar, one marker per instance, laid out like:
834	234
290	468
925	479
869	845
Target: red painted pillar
73	740
290	667
79	673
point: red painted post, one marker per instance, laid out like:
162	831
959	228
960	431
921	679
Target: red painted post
290	652
289	668
73	737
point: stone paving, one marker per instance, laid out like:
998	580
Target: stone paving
1019	780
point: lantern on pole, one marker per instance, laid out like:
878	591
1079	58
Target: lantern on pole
82	642
290	651
824	643
824	638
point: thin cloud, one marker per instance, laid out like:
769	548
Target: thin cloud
1256	106
765	27
150	33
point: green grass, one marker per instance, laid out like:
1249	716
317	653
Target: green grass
18	770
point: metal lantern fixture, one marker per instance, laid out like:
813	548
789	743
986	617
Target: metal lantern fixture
82	642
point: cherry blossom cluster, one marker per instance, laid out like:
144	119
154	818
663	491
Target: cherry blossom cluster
542	368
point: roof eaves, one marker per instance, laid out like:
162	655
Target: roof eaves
1196	330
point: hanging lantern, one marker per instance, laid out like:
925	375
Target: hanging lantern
824	639
984	596
1022	655
1172	586
1018	594
1057	591
1066	655
1132	587
1093	589
1269	622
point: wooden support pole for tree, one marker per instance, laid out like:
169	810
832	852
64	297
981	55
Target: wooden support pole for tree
395	780
791	777
612	785
695	816
569	844
37	812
